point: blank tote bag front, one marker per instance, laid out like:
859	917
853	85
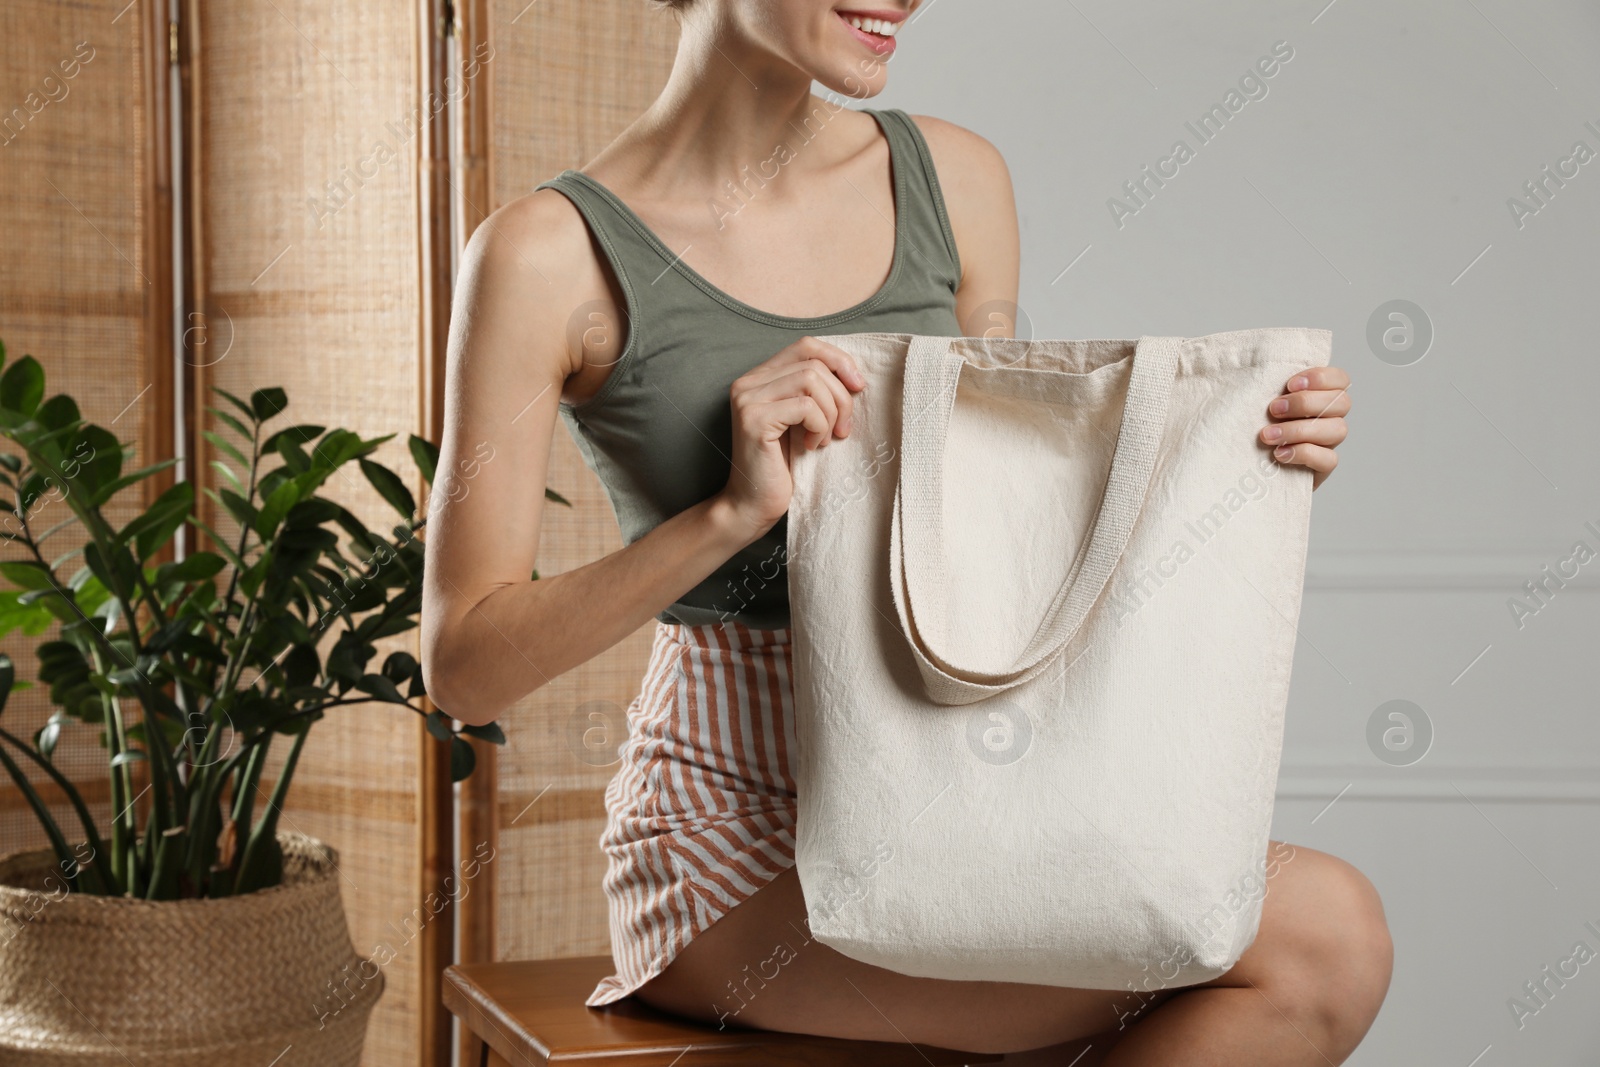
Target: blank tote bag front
1044	600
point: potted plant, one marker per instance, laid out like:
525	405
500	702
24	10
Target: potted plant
192	670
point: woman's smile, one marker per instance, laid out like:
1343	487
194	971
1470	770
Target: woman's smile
875	29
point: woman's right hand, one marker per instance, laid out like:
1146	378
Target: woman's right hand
810	384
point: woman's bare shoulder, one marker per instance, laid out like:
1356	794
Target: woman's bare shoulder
976	186
965	160
529	268
541	233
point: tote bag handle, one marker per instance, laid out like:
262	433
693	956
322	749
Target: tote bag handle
918	564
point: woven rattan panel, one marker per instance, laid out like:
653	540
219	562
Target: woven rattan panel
568	76
309	260
75	289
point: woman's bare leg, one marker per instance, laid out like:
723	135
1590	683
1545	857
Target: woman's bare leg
1304	993
757	967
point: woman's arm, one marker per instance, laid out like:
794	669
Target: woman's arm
490	635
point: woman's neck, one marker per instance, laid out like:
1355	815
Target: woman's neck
728	103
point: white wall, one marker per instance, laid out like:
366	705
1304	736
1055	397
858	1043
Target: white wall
1377	167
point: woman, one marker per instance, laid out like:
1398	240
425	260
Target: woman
671	303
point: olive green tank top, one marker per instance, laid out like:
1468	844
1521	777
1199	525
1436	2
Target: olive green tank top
659	432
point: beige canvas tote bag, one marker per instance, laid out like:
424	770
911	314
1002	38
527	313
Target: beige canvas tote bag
1044	600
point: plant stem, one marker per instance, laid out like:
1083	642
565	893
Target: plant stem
266	827
57	842
91	833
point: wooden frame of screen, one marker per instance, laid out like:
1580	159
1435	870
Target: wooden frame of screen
477	819
159	435
435	792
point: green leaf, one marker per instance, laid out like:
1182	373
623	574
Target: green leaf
380	687
58	413
195	567
94	596
389	627
98	564
312	512
268	483
399	666
341	447
347	659
551	494
489	732
111	490
462	759
27	574
390	487
361	538
267	403
225	445
301	665
439	726
294	457
426	456
28	494
235	401
217	542
22	386
227	472
233	424
96	459
284	497
241	510
300	435
132	755
161	520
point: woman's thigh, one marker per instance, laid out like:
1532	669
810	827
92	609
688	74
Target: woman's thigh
757	966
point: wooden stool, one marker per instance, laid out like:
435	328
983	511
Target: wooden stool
530	1013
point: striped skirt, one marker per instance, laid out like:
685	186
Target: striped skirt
701	812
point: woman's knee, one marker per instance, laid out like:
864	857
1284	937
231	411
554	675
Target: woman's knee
1361	944
1339	955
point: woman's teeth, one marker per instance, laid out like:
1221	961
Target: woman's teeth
881	27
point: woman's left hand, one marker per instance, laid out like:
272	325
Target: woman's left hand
1308	421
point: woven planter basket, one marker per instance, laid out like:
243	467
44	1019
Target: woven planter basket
265	978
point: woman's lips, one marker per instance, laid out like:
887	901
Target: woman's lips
881	44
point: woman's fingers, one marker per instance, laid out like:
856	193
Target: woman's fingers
1320	459
802	411
1327	432
1332	378
1310	404
836	359
1309	420
814	379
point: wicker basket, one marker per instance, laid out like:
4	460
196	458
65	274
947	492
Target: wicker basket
266	978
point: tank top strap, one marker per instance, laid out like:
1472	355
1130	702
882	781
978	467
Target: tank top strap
928	223
633	256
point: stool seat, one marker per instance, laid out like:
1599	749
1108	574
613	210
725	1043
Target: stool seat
530	1013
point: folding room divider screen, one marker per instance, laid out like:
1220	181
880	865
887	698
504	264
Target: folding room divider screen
316	261
85	280
306	273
